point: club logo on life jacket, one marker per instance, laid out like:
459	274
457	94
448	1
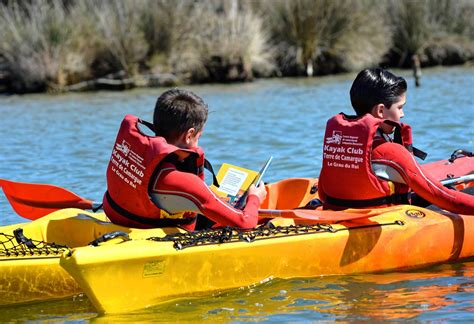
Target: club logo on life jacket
336	138
342	151
127	164
415	213
124	147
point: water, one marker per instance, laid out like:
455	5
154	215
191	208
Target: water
66	140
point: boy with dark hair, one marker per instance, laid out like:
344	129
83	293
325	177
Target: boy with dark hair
157	181
375	169
372	87
177	111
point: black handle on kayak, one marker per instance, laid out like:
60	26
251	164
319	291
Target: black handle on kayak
459	153
22	239
108	236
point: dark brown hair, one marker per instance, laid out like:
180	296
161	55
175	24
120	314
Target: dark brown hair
374	86
178	110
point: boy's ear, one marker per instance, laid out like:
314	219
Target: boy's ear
377	111
190	133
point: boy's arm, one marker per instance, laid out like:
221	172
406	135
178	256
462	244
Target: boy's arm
177	191
422	183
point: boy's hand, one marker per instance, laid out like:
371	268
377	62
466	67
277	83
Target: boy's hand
260	191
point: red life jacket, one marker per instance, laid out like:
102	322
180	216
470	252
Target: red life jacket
347	171
135	160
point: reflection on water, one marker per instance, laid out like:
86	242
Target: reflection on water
440	293
395	296
66	140
76	308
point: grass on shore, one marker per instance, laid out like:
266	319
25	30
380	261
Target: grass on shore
51	44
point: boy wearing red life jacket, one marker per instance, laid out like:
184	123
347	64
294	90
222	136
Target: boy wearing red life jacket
368	159
157	181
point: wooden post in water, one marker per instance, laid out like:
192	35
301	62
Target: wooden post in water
416	69
309	68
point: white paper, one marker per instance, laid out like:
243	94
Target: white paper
232	181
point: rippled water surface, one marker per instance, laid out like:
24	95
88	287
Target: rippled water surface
66	140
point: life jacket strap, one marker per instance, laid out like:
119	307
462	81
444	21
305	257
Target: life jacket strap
395	199
208	166
156	222
419	153
147	124
398	139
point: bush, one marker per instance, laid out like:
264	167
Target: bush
450	50
165	25
119	42
326	36
39	45
221	42
419	26
201	41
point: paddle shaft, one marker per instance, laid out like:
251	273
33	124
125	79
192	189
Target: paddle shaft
33	201
445	182
458	180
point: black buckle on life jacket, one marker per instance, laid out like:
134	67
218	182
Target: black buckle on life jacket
160	222
395	199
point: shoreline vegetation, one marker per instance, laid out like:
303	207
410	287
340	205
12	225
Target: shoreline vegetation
78	45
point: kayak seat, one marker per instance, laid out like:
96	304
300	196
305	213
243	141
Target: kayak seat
290	193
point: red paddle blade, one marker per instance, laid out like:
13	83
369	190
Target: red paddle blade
33	201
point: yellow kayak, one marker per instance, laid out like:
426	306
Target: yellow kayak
30	252
158	269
